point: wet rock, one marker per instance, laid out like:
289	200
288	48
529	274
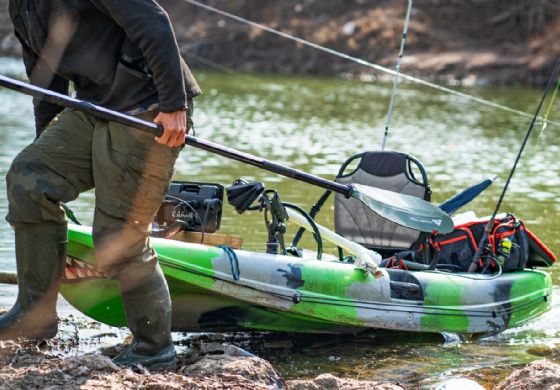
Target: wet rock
78	369
89	362
7	351
126	379
545	351
255	369
331	382
233	350
212	348
27	356
188	357
539	375
94	371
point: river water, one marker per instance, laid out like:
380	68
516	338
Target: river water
314	124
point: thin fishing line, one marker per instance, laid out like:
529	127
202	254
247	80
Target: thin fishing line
527	135
222	68
369	64
548	109
396	79
545	117
210	63
490	224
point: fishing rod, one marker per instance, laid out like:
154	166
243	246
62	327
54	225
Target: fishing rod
396	78
549	109
367	63
402	209
490	225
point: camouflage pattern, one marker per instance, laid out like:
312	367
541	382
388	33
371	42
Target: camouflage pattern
284	293
128	169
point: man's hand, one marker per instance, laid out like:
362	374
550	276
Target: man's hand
174	128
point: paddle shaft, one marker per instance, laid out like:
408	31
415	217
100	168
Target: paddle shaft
8	277
114	116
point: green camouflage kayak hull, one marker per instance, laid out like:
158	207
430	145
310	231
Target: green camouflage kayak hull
284	293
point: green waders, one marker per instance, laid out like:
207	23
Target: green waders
130	173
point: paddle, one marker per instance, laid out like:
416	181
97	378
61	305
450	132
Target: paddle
402	209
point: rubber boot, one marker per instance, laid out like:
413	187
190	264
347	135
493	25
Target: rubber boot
148	311
40	258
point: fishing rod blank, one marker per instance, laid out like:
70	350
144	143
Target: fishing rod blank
490	224
396	78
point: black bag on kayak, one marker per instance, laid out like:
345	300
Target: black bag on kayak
510	247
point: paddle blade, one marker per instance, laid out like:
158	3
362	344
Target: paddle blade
462	198
405	210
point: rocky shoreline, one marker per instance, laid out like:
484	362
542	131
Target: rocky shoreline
460	43
28	366
80	358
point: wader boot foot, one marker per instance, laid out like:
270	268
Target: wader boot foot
148	311
160	361
18	323
40	256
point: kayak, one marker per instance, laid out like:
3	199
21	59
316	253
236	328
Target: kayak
221	289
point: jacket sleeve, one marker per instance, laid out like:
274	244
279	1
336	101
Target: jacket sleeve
148	26
39	74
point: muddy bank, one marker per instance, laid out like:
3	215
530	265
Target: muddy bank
26	366
80	358
474	42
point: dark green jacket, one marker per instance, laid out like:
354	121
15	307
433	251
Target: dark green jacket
121	54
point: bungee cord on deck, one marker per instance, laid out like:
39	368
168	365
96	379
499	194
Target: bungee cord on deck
371	65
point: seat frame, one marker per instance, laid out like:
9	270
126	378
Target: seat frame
341	174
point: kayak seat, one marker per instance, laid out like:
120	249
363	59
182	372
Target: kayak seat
388	170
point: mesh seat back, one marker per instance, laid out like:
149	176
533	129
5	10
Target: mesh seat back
389	171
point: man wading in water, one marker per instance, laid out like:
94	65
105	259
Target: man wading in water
122	55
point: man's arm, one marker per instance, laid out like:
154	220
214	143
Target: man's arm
147	25
39	74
